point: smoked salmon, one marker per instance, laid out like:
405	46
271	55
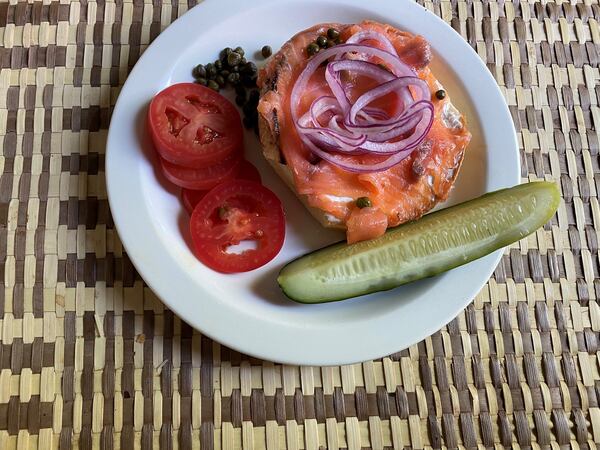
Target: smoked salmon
402	192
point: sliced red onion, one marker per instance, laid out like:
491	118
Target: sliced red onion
361	36
327	103
339	139
322	105
376	113
375	125
364	68
335	84
334	139
420	131
353	166
395	64
397	131
355	128
384	89
335	149
334	124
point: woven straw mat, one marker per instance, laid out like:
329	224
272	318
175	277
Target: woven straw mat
89	358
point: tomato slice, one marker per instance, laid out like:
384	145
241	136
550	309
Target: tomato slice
233	212
203	178
248	172
190	197
194	126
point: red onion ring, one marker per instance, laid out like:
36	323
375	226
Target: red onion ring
362	36
384	89
355	128
383	125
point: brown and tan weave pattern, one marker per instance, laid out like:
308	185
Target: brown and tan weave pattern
89	358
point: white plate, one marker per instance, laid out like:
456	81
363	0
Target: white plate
247	311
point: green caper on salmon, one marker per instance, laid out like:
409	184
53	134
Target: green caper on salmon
312	48
332	33
363	202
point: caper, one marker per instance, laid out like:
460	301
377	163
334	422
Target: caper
332	33
330	43
249	109
225	73
239	51
266	51
363	202
211	71
233	78
250	68
220	80
199	71
240	100
213	85
225	53
218	64
233	59
202	81
235	68
322	41
249	80
441	94
312	49
254	96
243	61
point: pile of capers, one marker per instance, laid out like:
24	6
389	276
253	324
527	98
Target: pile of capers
248	103
324	41
232	69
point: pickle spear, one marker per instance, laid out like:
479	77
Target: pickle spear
437	242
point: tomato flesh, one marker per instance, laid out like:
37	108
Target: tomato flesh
191	197
194	126
233	212
204	178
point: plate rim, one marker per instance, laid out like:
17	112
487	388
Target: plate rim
202	12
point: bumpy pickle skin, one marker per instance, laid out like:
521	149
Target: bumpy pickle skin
438	242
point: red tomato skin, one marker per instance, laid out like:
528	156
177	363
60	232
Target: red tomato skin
191	197
210	247
177	141
205	178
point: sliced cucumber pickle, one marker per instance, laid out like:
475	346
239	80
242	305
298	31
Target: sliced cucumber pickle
437	242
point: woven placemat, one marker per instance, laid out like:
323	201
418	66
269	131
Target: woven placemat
89	358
